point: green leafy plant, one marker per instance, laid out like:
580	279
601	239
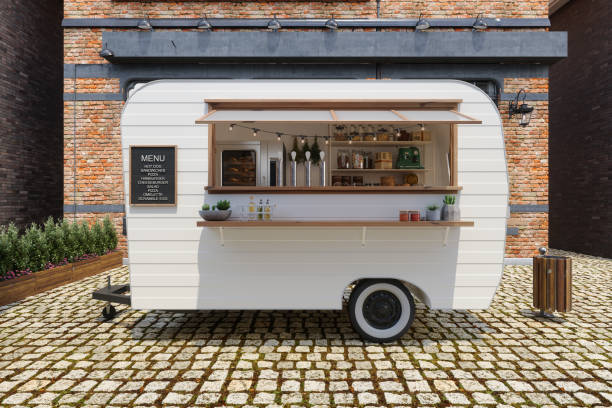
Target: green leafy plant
98	239
315	152
110	234
205	207
432	207
55	241
449	200
299	153
223	205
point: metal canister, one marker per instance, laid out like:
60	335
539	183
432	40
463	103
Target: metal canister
308	168
322	175
293	173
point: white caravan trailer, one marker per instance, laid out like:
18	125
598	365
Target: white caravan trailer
343	228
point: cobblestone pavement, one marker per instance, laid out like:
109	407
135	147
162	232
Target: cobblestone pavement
56	351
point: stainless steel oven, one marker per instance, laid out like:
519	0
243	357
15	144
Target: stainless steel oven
257	163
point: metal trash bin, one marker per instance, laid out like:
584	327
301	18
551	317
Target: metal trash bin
552	283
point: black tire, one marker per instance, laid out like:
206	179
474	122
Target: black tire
109	311
381	310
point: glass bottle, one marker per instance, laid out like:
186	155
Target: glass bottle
267	210
252	208
260	210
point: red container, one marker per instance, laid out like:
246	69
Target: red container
415	216
404	216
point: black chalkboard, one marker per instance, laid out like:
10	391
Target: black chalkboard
153	175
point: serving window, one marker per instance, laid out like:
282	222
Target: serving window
354	146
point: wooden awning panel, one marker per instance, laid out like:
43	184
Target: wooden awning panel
382	116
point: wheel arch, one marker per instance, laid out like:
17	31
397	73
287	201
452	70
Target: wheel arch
415	290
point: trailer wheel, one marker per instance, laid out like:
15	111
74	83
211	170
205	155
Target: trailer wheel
381	310
109	311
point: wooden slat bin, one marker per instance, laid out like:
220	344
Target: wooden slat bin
552	283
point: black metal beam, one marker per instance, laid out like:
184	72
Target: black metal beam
317	46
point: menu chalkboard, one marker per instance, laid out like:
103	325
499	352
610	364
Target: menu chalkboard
153	175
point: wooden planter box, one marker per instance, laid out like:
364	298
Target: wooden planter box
41	281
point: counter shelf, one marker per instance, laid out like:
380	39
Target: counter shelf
364	225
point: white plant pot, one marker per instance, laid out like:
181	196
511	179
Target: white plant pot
450	212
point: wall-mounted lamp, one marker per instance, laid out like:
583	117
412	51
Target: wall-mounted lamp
274	24
106	53
422	24
204	24
522	109
145	24
331	24
479	24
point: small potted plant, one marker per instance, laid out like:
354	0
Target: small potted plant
450	210
433	213
219	212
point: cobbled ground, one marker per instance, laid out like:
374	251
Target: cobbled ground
56	350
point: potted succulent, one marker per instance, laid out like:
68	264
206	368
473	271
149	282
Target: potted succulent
433	213
219	212
450	210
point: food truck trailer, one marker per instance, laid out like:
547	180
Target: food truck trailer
302	232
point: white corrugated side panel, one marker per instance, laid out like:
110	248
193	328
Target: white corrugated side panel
176	265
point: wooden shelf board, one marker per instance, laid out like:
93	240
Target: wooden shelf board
334	190
379	143
355	223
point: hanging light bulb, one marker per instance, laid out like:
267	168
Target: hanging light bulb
398	133
422	127
302	140
279	136
231	127
255	132
326	139
350	139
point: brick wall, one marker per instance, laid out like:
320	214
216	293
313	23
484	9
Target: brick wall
311	9
581	131
98	140
30	111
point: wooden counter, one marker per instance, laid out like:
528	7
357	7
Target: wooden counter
335	190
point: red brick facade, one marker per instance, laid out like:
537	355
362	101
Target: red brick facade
98	155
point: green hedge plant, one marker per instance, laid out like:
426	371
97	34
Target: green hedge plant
54	244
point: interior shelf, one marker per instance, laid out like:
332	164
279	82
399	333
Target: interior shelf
375	171
380	143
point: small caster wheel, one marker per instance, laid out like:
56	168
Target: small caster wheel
381	310
109	312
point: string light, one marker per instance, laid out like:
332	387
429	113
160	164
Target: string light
350	139
279	136
255	132
422	127
398	133
231	127
302	140
326	139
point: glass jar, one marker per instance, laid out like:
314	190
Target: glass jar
368	160
339	134
344	160
357	157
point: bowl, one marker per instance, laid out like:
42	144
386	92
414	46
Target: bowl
217	215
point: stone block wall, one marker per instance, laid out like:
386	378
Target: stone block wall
98	155
30	111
